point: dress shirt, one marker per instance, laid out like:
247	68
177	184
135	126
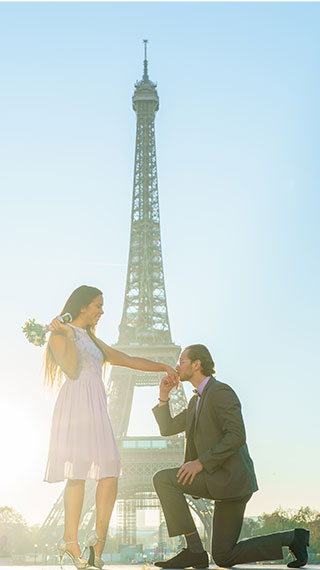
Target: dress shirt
200	389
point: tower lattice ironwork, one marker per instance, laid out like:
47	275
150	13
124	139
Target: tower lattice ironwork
144	331
145	315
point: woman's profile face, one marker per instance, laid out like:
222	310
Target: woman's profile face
93	311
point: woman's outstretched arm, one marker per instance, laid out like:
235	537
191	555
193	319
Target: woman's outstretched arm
117	358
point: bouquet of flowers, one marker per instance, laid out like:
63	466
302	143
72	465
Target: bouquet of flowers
36	333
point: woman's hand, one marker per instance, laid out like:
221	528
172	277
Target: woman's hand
57	326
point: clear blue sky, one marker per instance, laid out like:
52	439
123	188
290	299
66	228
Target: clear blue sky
238	161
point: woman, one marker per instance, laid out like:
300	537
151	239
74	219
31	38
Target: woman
82	444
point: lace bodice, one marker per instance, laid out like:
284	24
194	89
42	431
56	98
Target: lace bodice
89	355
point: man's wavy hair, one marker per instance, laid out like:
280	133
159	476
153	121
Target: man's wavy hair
200	352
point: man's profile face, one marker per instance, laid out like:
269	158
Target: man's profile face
184	367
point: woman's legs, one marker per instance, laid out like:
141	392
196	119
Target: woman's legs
106	494
73	499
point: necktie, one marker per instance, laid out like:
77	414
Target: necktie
195	391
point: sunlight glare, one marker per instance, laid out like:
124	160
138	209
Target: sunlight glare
19	438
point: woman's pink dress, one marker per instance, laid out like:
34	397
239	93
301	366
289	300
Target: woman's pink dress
82	444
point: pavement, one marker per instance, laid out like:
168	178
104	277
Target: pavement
151	567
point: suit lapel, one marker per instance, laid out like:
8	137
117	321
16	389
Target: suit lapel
191	414
203	398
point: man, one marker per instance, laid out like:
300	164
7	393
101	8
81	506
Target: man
217	466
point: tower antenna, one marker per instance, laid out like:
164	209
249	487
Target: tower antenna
145	64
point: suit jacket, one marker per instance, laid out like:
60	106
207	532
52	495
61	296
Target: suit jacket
216	436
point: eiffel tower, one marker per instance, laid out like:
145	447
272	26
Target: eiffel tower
144	331
144	328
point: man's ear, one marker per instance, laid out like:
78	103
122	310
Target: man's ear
197	365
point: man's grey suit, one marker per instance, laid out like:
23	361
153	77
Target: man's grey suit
215	434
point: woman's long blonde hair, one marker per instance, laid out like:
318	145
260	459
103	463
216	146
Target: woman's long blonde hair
80	297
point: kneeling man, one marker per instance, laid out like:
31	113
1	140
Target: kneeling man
217	466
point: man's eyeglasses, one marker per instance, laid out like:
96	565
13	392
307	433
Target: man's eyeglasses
182	361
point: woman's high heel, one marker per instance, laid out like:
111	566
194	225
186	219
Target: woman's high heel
91	540
79	562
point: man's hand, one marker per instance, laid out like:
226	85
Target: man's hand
166	386
188	471
173	375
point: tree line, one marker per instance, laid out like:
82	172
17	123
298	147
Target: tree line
18	537
282	519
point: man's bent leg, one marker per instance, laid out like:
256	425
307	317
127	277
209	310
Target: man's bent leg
172	498
226	551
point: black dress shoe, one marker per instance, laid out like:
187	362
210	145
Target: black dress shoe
298	548
186	559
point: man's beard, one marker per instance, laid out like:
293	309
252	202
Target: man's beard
184	378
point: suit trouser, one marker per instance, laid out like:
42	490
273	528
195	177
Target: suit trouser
227	521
